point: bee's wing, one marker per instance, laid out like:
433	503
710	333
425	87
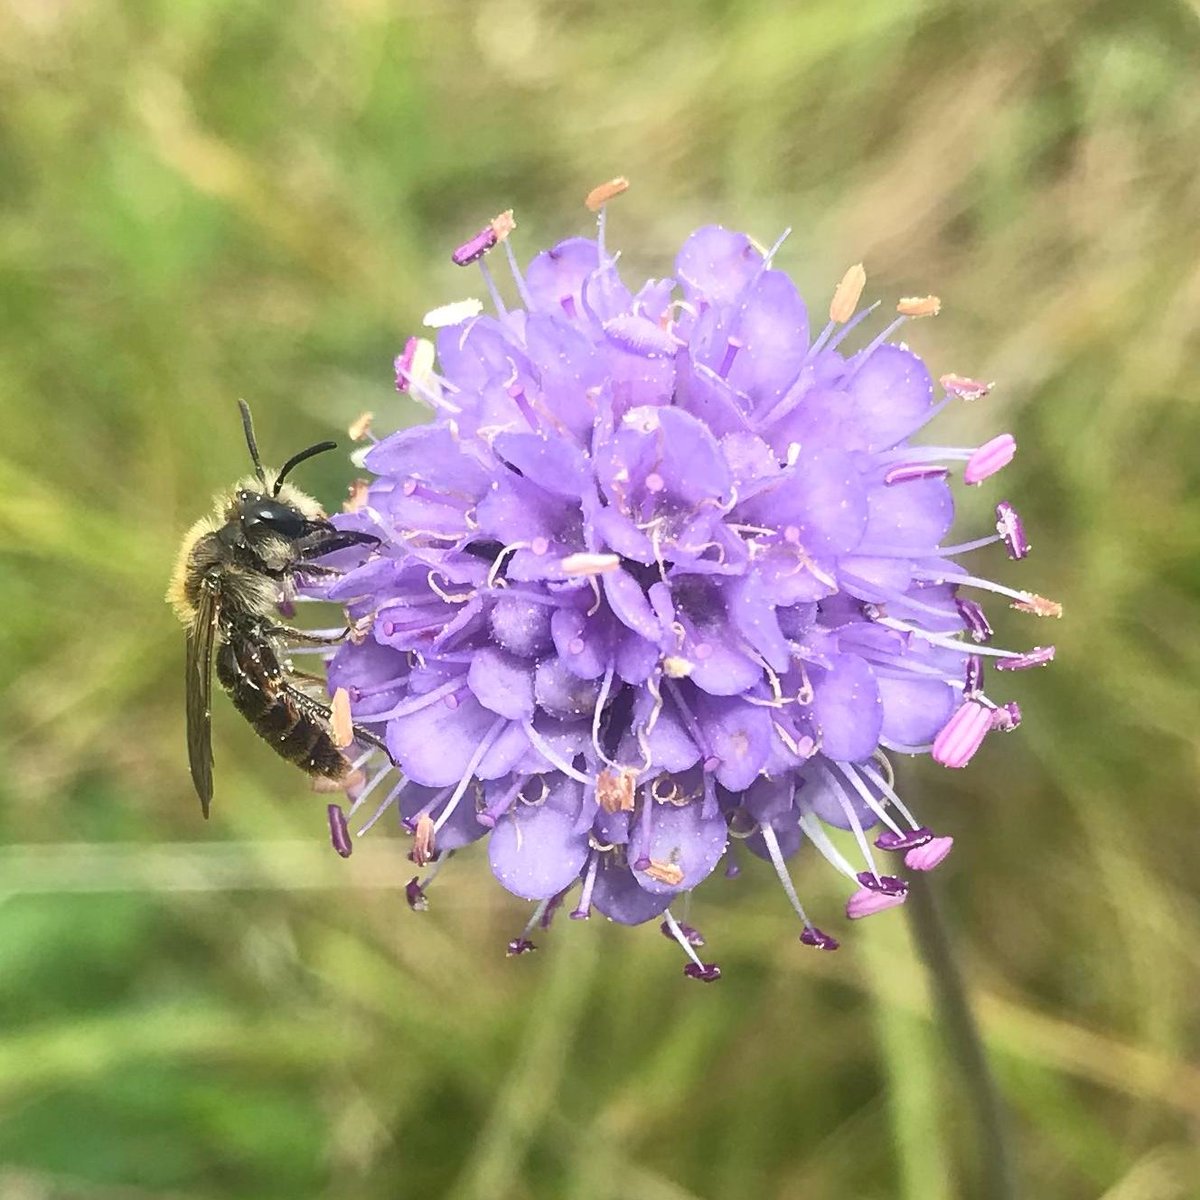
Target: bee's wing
200	639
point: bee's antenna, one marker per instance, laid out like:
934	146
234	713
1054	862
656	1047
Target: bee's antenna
248	427
297	459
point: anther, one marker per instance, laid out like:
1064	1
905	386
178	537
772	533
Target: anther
452	314
423	851
599	196
926	857
341	724
339	832
965	389
974	618
1007	717
360	426
812	936
1039	656
890	885
888	840
691	934
962	735
1038	606
991	457
865	902
414	893
590	564
705	972
1011	529
614	789
847	294
973	684
919	306
494	231
356	496
520	945
665	872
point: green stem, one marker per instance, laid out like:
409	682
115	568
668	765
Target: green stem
958	1026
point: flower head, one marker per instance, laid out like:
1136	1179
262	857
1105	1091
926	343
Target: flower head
665	572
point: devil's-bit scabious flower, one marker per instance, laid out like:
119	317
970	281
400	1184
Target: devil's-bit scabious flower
664	573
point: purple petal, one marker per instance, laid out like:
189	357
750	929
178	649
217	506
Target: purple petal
739	736
502	683
892	394
847	708
535	850
619	896
683	837
715	264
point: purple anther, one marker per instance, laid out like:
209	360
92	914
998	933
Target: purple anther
475	248
889	885
974	675
404	364
962	735
1039	656
908	472
339	832
519	945
865	902
552	906
705	972
580	913
414	893
812	936
888	840
1007	717
974	619
691	934
926	857
991	457
1011	529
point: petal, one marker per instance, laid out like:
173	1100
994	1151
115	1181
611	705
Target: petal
892	394
847	708
911	518
738	734
618	895
715	264
535	850
555	277
681	836
502	683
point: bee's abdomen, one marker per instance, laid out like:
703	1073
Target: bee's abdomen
249	671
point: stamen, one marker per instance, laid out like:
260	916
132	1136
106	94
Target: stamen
1007	717
356	496
964	388
522	944
475	248
887	787
989	458
819	838
865	902
360	427
974	675
889	885
518	278
665	872
423	850
904	841
855	824
962	735
597	715
705	972
974	618
339	833
865	792
341	724
576	565
469	771
811	936
599	196
1010	528
1039	656
404	364
911	471
919	306
454	313
1037	605
414	893
552	756
847	294
693	935
614	789
926	857
388	801
583	909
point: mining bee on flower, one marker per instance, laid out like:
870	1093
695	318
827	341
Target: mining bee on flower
233	569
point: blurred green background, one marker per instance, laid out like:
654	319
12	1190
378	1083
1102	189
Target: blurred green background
207	199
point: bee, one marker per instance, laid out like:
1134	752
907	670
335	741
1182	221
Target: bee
233	569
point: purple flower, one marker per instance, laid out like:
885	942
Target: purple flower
664	572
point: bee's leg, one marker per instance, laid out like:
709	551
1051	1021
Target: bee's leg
305	638
319	708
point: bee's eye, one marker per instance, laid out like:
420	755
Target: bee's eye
269	516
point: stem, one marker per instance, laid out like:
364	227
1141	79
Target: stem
962	1037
